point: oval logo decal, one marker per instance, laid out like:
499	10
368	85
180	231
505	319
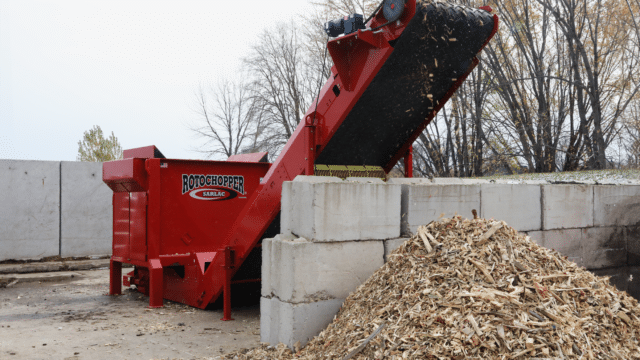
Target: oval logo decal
213	194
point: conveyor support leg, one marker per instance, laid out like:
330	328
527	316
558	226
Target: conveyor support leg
155	283
408	163
115	278
228	273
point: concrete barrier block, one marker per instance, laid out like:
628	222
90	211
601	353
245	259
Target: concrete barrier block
410	181
87	210
634	282
422	204
475	181
365	180
535	182
518	205
633	246
567	206
301	193
287	323
340	211
29	209
618	277
616	205
391	245
447	181
303	271
604	247
567	242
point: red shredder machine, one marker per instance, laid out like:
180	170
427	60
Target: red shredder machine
170	218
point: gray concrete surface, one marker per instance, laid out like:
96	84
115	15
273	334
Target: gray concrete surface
447	181
72	318
287	323
518	205
327	210
29	209
616	205
633	245
300	271
424	203
410	181
87	211
567	206
52	208
604	247
568	242
392	244
593	248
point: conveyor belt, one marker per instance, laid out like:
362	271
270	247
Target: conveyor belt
435	49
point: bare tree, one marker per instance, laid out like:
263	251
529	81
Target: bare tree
281	85
604	60
229	119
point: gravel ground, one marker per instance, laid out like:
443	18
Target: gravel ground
73	318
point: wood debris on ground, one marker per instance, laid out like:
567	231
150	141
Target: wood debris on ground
476	289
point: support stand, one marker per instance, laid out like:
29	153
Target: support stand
408	163
310	140
226	292
155	283
115	278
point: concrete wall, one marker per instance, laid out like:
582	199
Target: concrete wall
53	209
87	216
329	246
29	209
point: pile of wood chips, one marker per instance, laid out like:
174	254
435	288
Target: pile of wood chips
472	289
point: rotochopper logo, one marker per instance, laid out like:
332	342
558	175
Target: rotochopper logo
213	187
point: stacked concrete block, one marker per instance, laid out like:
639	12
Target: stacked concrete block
604	247
593	248
29	209
392	244
333	239
297	270
475	181
87	211
568	242
633	246
304	283
616	205
329	209
447	181
423	203
289	323
567	206
518	205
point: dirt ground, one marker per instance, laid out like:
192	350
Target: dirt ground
73	318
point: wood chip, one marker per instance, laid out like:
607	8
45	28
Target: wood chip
447	299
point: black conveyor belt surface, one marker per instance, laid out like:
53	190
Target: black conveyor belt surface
396	103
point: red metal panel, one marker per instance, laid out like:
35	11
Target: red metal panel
121	225
146	152
195	217
138	226
126	175
251	158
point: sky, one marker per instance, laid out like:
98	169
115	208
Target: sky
131	67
